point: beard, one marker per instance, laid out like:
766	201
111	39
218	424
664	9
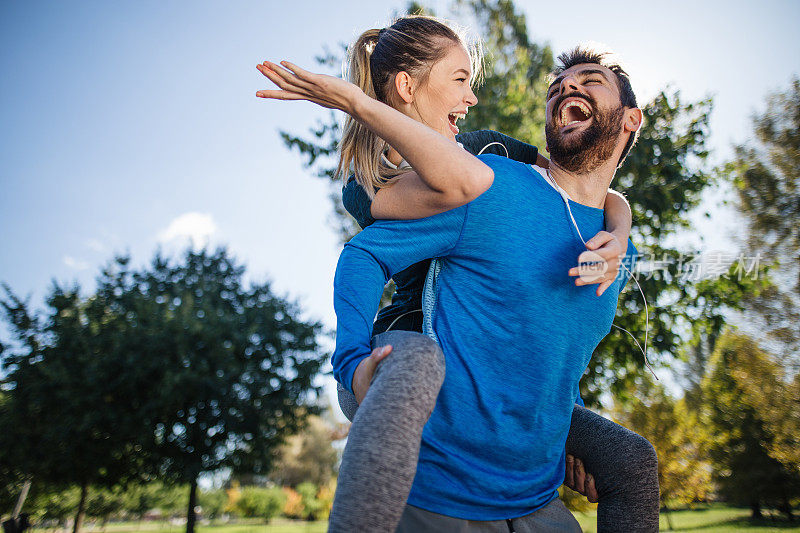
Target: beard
584	151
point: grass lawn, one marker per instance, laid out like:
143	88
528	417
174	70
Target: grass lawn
713	519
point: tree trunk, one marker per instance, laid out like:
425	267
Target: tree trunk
76	526
668	516
190	516
21	500
755	508
786	508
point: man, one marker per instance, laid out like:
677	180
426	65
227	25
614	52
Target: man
516	332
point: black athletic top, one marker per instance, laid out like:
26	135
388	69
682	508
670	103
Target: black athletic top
407	301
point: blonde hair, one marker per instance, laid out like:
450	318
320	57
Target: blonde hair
412	44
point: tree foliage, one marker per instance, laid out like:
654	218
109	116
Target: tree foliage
684	474
233	366
259	502
171	370
69	420
308	456
766	175
739	437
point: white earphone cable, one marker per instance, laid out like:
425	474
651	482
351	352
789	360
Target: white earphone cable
565	197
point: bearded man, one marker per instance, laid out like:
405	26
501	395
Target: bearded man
516	332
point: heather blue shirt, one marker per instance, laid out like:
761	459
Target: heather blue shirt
516	332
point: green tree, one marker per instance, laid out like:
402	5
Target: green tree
70	420
307	456
140	498
684	474
259	502
766	176
228	369
308	493
744	470
103	503
55	505
212	502
172	370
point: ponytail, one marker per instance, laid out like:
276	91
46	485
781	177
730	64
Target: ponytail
360	149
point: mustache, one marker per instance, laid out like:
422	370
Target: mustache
560	100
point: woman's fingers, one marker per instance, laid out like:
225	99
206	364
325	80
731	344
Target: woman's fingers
281	81
599	240
277	94
291	78
380	353
299	72
603	286
291	84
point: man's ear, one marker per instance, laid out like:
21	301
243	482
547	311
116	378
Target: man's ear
633	119
405	86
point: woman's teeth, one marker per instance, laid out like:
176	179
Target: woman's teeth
454	117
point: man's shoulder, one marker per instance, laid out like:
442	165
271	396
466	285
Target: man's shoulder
499	162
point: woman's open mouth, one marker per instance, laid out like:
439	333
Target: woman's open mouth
453	118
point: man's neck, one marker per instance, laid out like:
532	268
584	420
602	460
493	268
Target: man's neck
588	188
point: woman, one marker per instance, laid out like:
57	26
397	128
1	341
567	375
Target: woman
422	70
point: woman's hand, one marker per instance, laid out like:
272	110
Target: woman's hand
579	480
298	84
609	249
366	369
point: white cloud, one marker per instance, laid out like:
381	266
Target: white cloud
95	245
196	227
76	264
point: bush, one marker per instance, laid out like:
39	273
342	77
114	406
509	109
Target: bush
257	502
293	508
312	507
213	502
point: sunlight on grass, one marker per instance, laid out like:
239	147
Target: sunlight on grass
711	519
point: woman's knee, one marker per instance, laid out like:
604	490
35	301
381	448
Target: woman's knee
645	456
414	354
635	461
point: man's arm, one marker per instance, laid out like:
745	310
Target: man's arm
367	262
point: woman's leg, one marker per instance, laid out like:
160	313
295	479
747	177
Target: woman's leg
625	470
380	459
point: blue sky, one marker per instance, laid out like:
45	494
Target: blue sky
131	125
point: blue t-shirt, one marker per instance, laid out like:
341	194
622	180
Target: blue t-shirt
403	313
516	332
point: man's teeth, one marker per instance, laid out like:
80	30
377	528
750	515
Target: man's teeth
574	103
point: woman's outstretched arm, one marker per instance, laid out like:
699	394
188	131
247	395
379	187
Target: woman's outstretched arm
447	170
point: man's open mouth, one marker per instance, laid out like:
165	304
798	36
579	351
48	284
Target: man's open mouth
453	118
574	111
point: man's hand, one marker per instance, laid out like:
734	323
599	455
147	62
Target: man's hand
366	369
579	480
609	248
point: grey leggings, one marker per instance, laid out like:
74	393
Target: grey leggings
380	458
